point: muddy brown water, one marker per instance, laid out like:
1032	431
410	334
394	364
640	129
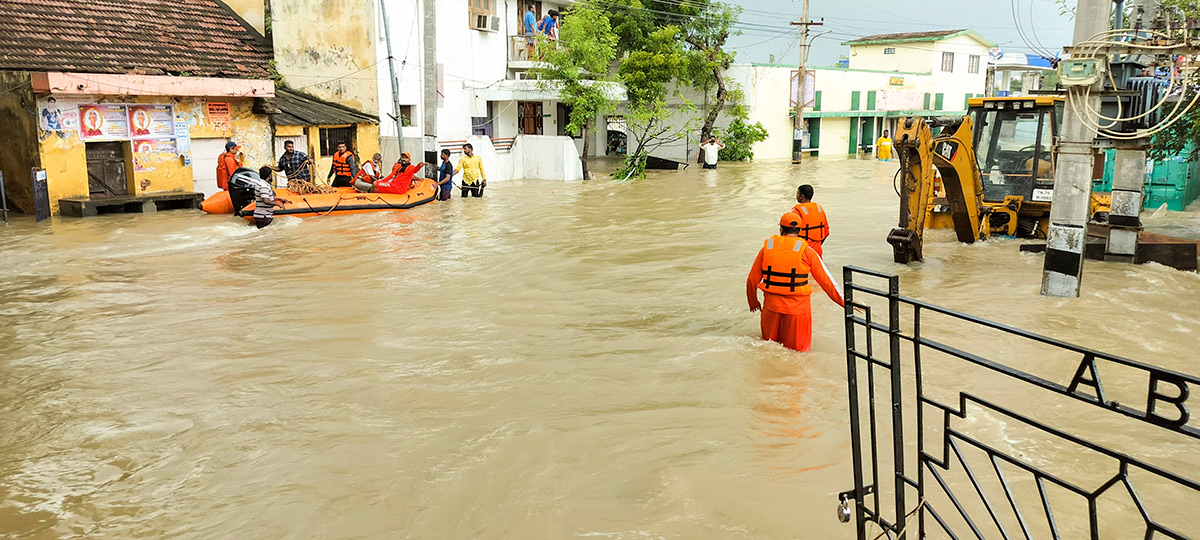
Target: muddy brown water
555	360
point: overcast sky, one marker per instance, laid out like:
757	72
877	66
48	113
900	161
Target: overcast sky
762	21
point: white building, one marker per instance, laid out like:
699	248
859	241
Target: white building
887	77
484	94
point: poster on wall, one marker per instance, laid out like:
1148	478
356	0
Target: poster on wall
810	88
896	100
218	114
183	139
146	121
59	113
164	145
104	122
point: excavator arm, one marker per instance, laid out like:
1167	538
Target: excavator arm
950	154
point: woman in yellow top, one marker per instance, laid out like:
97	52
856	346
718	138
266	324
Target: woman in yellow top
883	147
474	179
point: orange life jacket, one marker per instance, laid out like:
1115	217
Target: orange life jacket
341	163
783	268
366	176
814	226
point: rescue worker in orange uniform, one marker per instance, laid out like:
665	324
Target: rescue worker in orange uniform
814	226
782	270
227	163
345	166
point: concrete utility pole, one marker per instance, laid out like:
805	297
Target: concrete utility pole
798	126
431	87
387	34
1062	271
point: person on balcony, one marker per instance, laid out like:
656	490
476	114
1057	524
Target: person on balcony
549	25
530	33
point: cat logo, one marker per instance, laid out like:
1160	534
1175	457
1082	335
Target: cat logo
946	150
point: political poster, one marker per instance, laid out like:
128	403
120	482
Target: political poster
151	121
59	113
163	145
103	122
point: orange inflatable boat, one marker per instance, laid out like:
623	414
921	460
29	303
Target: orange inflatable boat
345	201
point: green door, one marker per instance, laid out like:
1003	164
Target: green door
868	134
814	133
853	136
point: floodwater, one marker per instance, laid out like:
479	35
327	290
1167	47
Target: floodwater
555	360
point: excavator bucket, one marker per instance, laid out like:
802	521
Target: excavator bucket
906	246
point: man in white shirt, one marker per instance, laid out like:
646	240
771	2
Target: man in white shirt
710	149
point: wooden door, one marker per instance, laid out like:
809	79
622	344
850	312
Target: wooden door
529	119
106	169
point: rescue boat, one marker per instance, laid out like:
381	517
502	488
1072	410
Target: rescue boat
344	201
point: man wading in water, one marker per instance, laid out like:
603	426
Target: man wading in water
781	270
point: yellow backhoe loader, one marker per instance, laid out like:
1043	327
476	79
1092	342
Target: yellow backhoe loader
996	172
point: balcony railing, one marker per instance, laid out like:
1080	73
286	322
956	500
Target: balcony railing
518	48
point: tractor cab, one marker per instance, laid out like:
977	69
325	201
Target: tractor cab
1014	142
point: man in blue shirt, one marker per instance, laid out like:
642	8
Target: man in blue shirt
530	22
445	174
549	25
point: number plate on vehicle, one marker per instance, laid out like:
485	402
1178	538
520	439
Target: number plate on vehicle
1043	195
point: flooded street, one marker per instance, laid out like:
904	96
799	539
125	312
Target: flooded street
551	361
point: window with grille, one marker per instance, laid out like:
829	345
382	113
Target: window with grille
480	13
948	61
973	63
889	50
331	137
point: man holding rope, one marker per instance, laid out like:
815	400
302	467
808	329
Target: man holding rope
294	164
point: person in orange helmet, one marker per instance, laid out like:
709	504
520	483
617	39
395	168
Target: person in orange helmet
782	271
814	226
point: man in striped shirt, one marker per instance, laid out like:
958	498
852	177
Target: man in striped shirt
265	199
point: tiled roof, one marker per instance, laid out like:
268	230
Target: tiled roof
203	38
908	36
297	109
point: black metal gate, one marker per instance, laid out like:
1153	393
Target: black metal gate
1056	441
106	169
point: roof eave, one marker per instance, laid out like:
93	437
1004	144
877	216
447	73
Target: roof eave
971	33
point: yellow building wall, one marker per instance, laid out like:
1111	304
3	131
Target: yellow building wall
252	11
327	47
18	147
64	157
366	145
290	131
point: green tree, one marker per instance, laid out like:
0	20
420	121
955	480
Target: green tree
671	43
1174	140
650	126
706	28
1016	84
578	69
739	139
